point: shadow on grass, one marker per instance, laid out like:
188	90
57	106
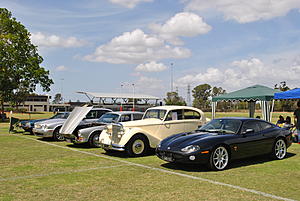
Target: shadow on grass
233	164
47	139
123	154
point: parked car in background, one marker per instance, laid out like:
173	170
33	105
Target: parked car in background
50	128
137	137
28	125
226	139
90	134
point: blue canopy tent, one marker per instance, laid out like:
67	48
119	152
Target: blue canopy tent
291	94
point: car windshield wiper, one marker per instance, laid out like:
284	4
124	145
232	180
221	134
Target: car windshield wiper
226	131
203	130
220	131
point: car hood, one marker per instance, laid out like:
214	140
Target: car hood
182	140
51	121
91	129
74	119
143	122
32	121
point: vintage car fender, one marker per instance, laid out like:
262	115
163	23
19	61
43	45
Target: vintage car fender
130	132
57	127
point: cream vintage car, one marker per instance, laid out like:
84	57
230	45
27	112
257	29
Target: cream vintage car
137	137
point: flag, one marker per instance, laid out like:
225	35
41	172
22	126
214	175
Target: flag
13	121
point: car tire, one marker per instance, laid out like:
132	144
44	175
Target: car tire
57	136
279	149
138	145
94	140
219	158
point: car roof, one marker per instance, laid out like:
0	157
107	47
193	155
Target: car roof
173	107
97	108
125	112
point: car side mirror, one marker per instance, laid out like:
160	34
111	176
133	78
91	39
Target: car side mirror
248	130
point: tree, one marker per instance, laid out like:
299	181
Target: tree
282	86
283	105
57	98
201	94
19	60
174	99
19	96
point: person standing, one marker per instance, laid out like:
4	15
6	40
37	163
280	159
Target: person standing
297	120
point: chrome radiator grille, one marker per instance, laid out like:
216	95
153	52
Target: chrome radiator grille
115	133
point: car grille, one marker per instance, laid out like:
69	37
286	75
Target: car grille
115	133
38	126
167	156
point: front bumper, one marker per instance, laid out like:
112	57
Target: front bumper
43	132
201	157
106	143
76	139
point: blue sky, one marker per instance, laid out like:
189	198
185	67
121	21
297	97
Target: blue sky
99	45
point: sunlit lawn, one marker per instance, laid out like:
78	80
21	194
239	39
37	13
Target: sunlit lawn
51	175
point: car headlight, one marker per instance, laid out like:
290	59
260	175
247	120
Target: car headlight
79	133
190	148
44	126
108	129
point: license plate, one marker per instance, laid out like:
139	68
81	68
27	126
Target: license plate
168	157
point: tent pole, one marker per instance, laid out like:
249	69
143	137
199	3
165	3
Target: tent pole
251	109
213	109
272	110
261	107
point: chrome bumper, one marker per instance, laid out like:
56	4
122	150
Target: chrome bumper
43	132
78	140
115	147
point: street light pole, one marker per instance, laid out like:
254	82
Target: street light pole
121	108
171	77
61	90
133	98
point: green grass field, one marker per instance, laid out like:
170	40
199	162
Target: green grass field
35	169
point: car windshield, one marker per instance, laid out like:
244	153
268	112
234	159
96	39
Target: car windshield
60	116
155	113
109	118
230	126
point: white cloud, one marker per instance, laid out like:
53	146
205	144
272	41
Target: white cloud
244	73
136	47
61	68
151	67
182	24
245	11
129	3
150	85
44	40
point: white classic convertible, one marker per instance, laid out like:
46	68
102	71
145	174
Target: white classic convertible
137	137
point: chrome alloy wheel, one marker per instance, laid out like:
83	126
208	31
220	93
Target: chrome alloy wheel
95	140
280	149
138	146
220	158
60	137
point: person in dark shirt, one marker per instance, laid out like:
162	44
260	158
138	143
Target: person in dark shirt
280	121
297	120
